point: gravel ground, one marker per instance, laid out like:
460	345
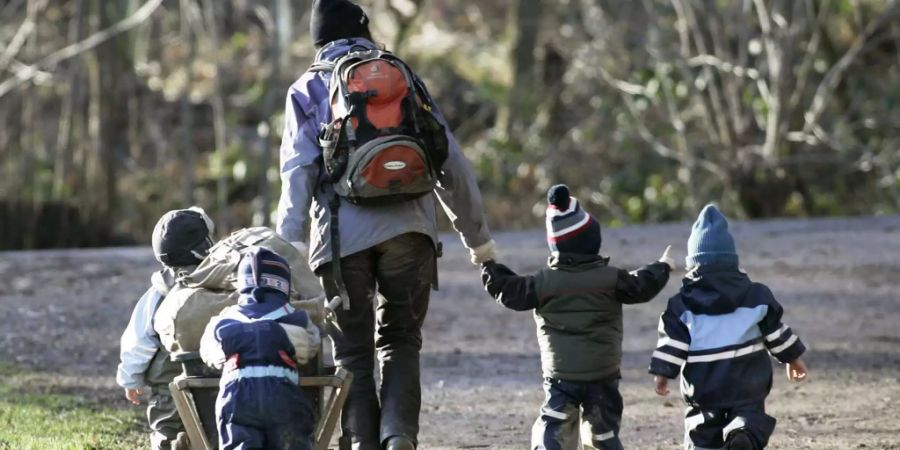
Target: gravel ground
61	312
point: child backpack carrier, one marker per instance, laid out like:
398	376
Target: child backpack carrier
384	144
202	293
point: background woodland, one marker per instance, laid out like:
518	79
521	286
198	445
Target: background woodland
114	111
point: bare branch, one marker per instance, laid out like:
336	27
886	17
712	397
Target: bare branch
72	50
621	85
836	73
812	48
724	66
25	29
21	69
664	150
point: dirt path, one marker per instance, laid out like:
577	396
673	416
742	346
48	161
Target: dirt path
62	312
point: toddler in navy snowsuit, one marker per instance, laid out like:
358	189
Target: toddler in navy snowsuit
258	344
718	333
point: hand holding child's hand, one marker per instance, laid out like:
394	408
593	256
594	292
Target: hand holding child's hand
133	395
662	385
796	370
484	252
665	258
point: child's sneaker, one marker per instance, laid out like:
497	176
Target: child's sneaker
739	440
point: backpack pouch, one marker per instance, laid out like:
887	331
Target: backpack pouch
387	170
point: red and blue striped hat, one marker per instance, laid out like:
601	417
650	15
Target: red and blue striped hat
569	228
263	269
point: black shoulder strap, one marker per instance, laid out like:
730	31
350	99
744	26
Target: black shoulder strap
334	204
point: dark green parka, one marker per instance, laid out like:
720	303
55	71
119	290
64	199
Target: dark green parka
577	301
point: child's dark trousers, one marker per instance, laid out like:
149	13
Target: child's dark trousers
709	428
592	407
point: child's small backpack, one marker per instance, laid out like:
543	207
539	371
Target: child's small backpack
384	145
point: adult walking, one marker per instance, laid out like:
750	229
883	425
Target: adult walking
390	247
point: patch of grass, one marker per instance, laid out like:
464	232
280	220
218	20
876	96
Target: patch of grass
31	419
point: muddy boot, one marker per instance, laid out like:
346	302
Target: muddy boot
399	443
740	440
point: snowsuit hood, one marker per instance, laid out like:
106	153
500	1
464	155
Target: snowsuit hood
717	289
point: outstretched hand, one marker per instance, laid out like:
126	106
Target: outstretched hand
666	258
662	385
796	370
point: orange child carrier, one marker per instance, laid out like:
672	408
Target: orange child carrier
384	144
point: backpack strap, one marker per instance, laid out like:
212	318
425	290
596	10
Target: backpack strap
321	66
334	205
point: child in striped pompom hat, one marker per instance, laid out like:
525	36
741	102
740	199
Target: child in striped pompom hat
577	301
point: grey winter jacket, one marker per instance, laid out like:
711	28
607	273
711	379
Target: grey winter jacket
306	111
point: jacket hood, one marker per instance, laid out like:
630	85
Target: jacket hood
715	289
575	261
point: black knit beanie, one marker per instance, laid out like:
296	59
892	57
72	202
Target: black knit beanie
331	20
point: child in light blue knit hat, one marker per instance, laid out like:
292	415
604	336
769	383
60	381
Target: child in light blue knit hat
718	333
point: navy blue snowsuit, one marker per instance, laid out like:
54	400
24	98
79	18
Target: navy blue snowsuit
718	332
260	404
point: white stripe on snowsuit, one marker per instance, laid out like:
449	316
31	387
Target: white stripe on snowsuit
260	372
604	437
666	340
781	348
668	358
777	333
728	354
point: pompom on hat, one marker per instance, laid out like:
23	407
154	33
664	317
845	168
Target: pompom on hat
569	228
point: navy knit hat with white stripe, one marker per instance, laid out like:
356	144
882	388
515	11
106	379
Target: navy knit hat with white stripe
569	228
710	242
262	271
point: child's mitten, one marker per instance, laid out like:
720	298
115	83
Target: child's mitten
305	346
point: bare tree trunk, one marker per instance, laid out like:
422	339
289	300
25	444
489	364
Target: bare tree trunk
186	108
523	97
264	130
283	10
218	107
70	95
115	88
